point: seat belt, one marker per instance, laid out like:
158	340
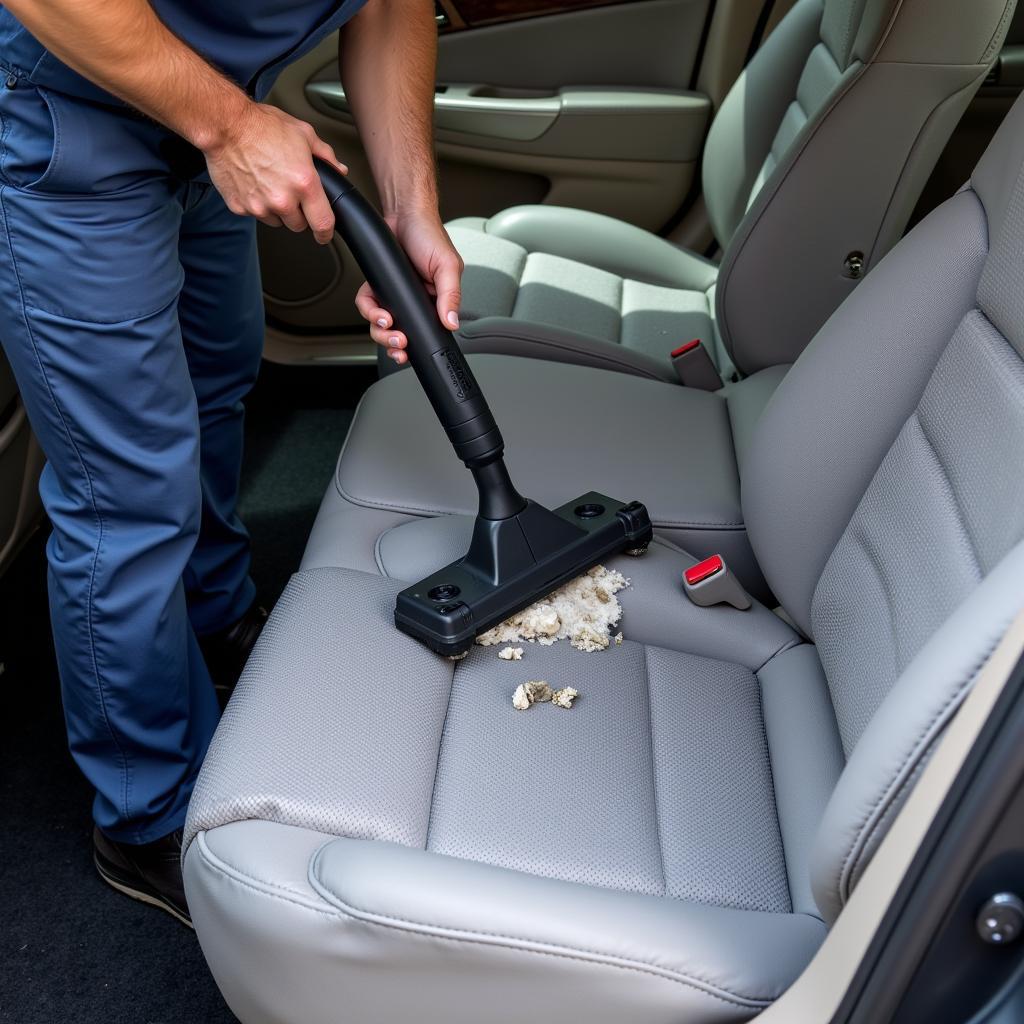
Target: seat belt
694	367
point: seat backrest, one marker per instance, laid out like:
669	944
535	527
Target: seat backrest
884	494
821	150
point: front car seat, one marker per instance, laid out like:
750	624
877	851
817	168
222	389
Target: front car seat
812	168
377	834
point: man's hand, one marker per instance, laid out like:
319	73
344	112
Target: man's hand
428	246
394	114
260	159
264	168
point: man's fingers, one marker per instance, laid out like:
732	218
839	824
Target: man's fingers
292	219
398	356
449	295
381	323
270	220
369	309
390	339
318	214
326	152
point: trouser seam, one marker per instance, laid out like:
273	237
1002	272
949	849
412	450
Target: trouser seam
100	527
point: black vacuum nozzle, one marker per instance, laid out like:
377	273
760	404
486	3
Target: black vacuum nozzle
520	550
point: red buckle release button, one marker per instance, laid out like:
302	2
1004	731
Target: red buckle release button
703	570
683	349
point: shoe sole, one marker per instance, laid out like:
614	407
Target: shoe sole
140	895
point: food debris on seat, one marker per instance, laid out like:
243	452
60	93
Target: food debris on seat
534	692
582	612
511	654
563	698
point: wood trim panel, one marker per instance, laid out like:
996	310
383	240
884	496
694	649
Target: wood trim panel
489	12
451	12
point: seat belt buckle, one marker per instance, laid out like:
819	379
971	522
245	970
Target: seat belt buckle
694	366
710	582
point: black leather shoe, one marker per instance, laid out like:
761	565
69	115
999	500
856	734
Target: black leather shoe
227	652
150	873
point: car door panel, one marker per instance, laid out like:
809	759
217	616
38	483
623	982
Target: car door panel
591	107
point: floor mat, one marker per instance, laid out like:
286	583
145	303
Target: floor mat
71	949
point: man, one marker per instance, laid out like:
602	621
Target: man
134	155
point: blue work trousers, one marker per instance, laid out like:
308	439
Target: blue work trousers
130	311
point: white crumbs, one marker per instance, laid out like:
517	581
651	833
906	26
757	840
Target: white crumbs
534	692
583	612
511	654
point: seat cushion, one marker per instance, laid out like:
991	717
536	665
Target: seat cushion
579	287
670	447
370	807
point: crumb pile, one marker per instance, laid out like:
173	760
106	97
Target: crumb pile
583	612
539	692
534	692
511	654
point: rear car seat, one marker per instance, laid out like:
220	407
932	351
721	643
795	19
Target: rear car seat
377	835
819	151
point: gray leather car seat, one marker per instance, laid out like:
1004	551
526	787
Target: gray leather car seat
819	151
376	834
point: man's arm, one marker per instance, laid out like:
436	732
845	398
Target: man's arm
388	57
260	158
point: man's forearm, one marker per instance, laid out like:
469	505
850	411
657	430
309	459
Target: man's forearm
122	46
393	100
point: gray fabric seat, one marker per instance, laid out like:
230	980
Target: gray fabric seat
820	150
377	834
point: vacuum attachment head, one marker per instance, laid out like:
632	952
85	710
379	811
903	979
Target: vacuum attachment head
520	550
511	563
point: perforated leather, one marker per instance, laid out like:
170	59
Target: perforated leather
660	831
924	534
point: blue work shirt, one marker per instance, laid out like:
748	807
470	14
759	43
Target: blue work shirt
251	41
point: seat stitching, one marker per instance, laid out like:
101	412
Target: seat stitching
923	739
423	512
440	745
880	821
476	937
771	782
377	556
654	771
951	491
788	645
878	564
993	43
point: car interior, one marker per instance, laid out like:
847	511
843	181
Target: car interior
756	263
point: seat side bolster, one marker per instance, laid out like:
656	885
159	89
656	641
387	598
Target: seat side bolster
901	736
603	242
739	957
806	757
472	941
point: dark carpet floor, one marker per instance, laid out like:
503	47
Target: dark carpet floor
71	949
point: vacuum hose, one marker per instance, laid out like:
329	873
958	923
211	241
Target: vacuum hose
433	352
